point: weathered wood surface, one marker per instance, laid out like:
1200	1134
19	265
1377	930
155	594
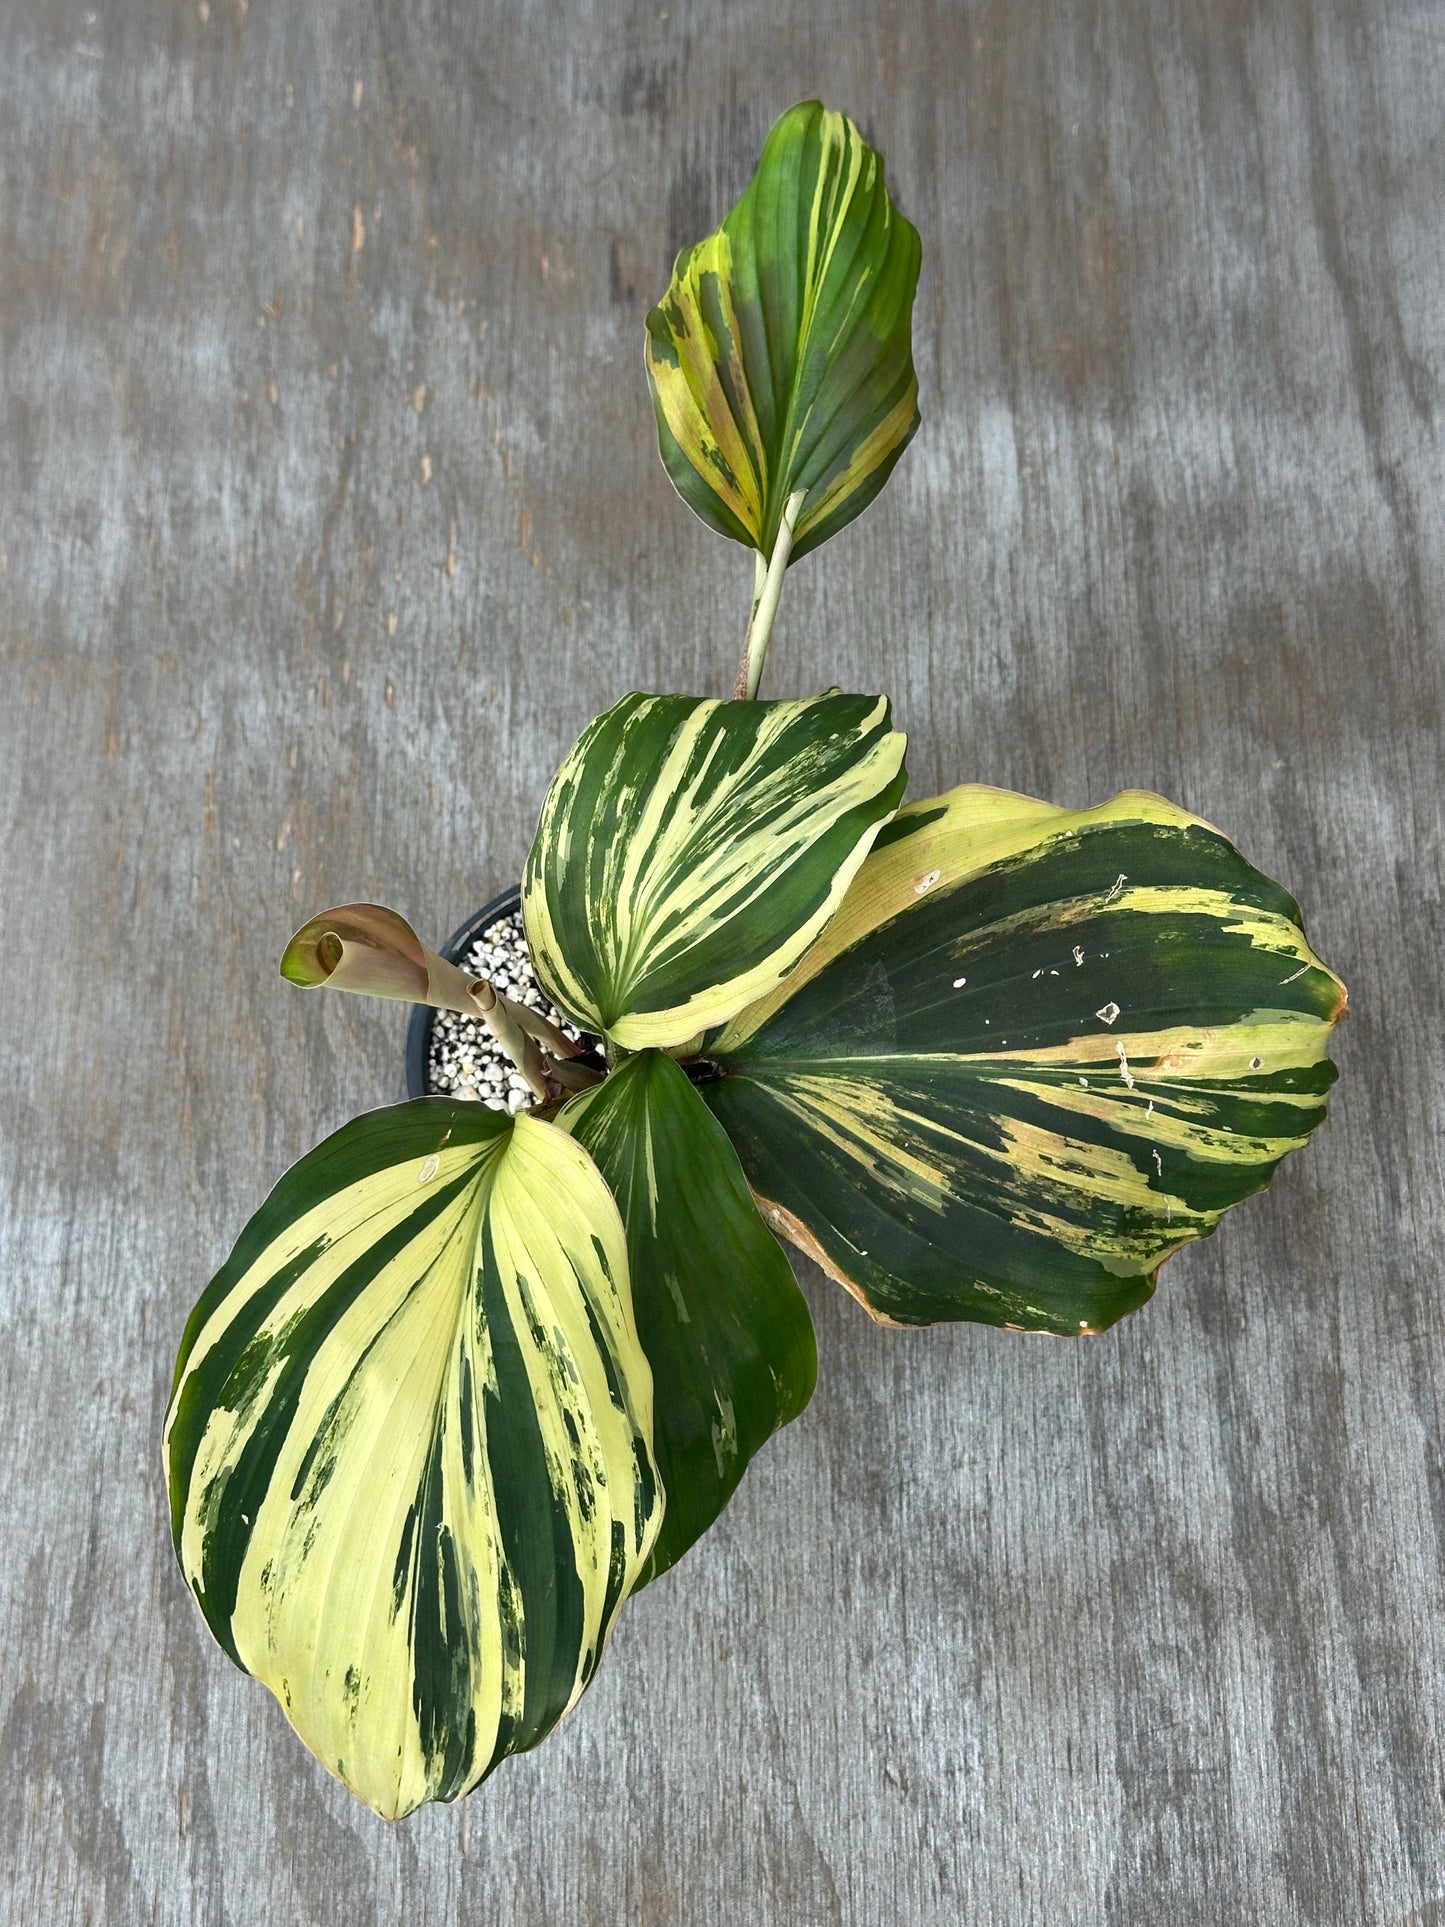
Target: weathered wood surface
330	511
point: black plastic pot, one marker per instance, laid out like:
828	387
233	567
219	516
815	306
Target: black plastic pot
418	1031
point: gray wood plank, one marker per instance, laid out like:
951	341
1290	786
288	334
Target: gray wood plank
330	512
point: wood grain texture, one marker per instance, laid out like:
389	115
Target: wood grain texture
330	512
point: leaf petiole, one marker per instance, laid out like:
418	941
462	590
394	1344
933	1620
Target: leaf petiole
767	588
499	1014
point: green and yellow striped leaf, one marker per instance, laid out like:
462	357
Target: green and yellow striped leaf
409	1444
1036	1052
725	1328
689	851
781	356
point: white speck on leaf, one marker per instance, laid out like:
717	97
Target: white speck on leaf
1039	972
429	1169
1256	1063
1124	1071
1084	1082
959	982
1116	887
1158	1161
1078	957
1293	974
926	882
1107	1014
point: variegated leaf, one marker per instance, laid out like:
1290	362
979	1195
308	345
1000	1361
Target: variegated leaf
689	851
409	1449
1036	1052
725	1328
781	356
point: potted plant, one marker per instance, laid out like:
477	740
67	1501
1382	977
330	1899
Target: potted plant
473	1375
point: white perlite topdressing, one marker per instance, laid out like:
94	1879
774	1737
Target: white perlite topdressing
464	1060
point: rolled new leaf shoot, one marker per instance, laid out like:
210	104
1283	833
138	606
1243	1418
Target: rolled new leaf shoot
367	948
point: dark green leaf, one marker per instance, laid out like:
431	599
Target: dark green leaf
1034	1053
724	1326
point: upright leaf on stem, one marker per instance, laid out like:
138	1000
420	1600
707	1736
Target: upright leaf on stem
781	356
